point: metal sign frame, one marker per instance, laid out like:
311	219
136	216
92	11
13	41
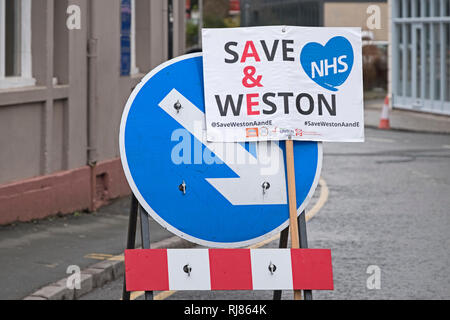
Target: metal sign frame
135	208
155	215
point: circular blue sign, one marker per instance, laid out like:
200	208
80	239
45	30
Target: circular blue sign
185	183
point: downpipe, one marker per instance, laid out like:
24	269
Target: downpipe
92	111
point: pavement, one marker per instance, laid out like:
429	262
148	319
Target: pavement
404	120
35	256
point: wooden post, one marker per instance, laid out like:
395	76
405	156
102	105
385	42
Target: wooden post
293	224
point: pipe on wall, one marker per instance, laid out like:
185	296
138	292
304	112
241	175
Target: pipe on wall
170	17
92	105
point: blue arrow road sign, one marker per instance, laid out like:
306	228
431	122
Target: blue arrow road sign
213	194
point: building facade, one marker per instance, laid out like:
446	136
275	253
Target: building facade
67	68
420	55
363	14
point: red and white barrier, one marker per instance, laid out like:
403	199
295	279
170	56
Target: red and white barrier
228	269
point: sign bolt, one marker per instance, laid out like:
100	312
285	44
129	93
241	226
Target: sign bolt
187	269
265	186
272	268
182	187
177	106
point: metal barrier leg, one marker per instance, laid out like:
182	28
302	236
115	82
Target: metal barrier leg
131	237
145	240
307	294
284	235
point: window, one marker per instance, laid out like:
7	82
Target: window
421	55
128	38
15	44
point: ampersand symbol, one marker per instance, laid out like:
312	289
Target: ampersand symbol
249	81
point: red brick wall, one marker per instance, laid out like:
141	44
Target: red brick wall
62	192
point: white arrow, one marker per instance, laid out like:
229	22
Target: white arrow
253	173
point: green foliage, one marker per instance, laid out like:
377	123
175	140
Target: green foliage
232	22
211	21
191	34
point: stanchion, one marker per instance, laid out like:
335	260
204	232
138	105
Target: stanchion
131	237
304	245
284	235
136	208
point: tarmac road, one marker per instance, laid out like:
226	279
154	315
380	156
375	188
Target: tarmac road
388	206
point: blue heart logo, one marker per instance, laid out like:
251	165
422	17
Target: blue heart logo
329	65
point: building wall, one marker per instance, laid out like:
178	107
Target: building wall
354	14
420	55
45	130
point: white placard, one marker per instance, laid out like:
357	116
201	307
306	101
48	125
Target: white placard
198	277
271	269
283	82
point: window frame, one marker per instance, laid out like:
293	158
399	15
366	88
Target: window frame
131	35
25	78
